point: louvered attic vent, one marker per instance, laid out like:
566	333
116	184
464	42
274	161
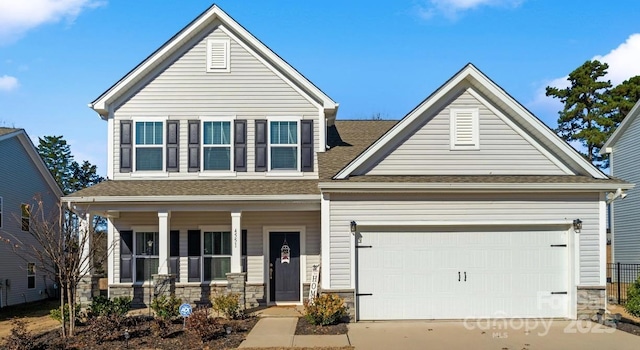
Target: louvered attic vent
217	55
464	129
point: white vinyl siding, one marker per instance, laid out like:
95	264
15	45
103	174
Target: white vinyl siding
20	182
253	222
460	208
183	90
624	165
427	148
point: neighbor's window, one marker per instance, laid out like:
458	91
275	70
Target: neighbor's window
25	216
217	255
31	275
284	145
216	145
149	150
147	251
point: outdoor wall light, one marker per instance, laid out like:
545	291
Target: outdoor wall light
577	225
353	226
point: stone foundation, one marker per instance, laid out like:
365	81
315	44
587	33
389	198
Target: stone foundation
349	299
254	295
88	288
164	285
590	300
236	285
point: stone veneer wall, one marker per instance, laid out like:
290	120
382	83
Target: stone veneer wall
590	300
88	288
349	299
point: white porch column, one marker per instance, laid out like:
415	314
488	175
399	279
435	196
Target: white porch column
236	242
85	236
163	245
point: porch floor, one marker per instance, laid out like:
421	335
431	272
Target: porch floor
278	311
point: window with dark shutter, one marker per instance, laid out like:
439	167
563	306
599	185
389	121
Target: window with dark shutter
306	145
173	137
126	256
261	157
194	252
194	145
240	145
125	146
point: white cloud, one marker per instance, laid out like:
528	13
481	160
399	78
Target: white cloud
623	64
19	16
8	83
451	8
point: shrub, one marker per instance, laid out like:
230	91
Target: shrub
103	306
161	327
57	315
202	326
633	299
105	328
228	305
20	338
166	307
325	310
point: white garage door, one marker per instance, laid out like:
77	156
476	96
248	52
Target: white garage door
457	275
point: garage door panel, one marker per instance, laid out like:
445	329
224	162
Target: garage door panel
415	275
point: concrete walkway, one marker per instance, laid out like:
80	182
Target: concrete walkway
280	332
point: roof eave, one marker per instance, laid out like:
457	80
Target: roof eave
345	186
198	198
628	120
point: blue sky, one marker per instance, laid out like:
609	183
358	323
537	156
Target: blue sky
372	56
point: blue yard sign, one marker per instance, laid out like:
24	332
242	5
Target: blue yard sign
185	310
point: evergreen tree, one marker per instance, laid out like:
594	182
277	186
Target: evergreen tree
583	118
56	154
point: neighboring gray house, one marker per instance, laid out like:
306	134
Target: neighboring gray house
623	148
229	170
23	176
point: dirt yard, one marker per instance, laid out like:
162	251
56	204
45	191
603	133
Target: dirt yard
36	315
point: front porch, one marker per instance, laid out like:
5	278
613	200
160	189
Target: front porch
199	251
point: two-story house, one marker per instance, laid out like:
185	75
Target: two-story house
229	171
24	181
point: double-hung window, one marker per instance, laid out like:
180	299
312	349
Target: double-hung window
217	255
283	141
216	145
31	275
149	146
147	255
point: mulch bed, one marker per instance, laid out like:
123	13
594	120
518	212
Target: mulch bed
629	326
305	328
142	337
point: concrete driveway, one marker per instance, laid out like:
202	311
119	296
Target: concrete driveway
490	334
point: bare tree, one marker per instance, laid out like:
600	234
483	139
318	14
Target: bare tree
64	245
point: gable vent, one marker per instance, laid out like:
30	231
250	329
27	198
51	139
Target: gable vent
217	55
464	129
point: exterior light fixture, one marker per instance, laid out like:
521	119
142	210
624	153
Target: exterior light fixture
577	225
353	226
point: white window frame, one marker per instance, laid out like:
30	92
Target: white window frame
298	145
227	59
204	229
475	137
134	251
30	275
230	171
135	146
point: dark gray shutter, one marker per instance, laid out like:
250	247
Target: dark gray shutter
244	251
306	145
125	146
194	145
173	137
126	256
174	253
194	251
240	145
261	145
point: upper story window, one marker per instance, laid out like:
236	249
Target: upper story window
149	146
25	212
216	145
283	142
